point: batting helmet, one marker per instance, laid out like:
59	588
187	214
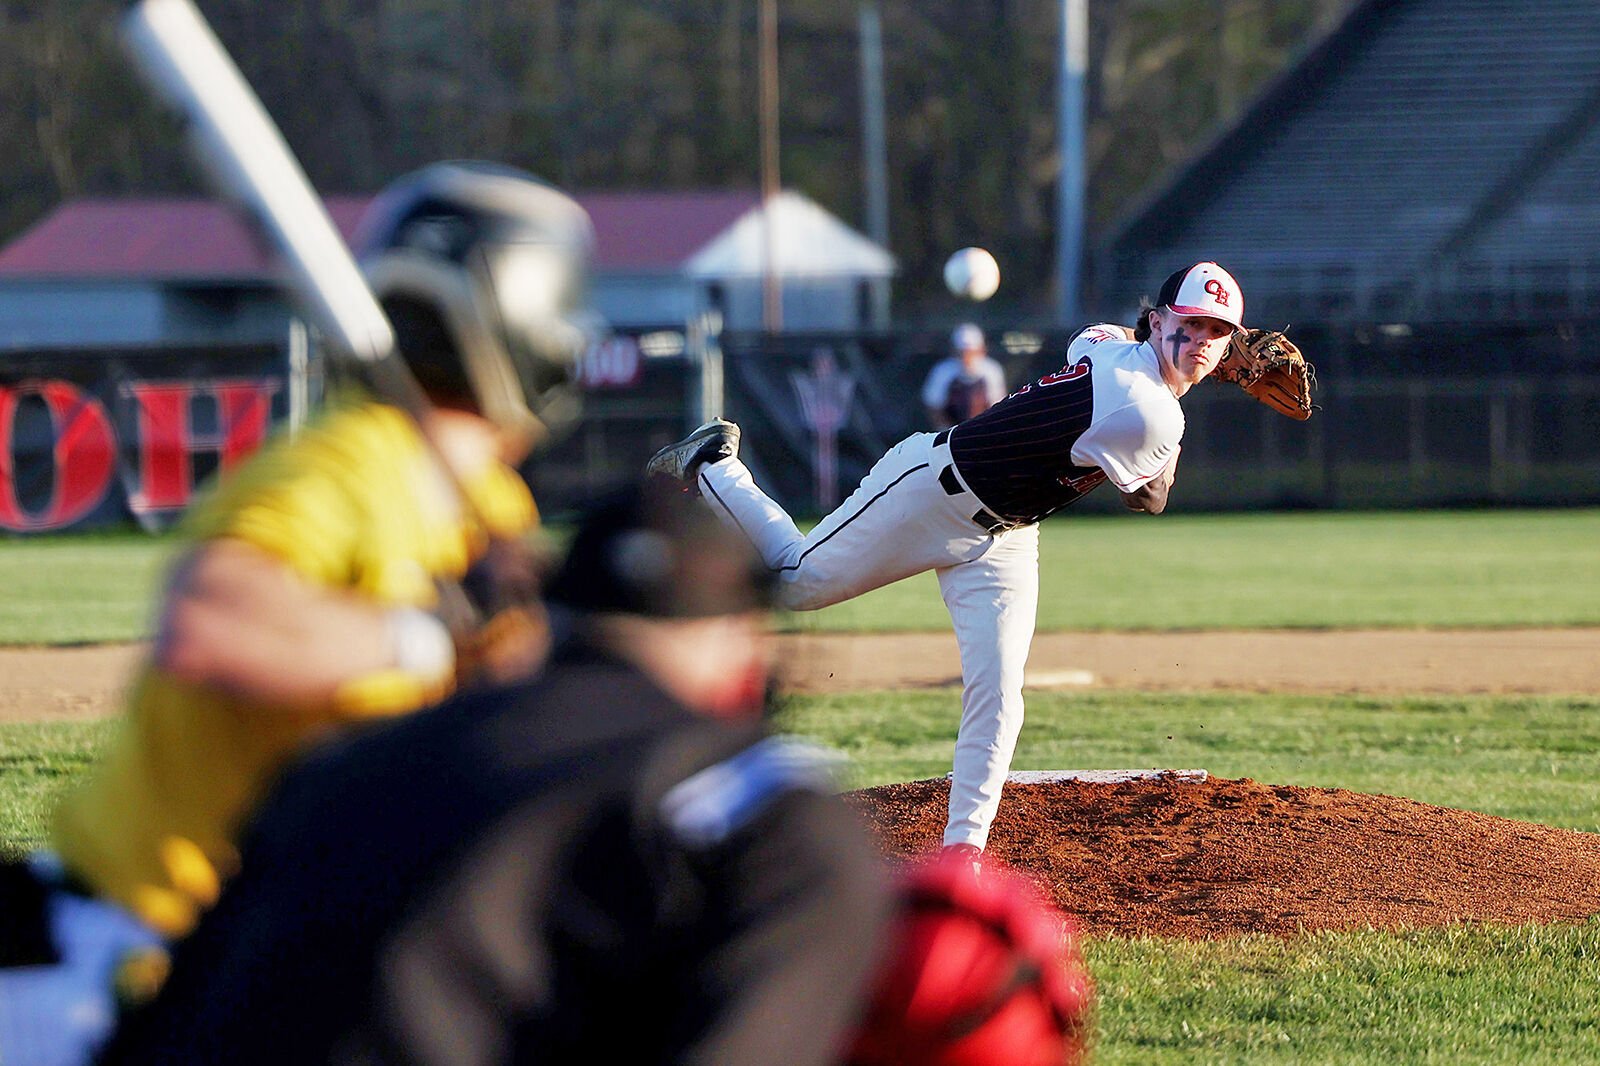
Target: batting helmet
979	973
482	269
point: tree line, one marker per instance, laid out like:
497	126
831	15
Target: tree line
662	94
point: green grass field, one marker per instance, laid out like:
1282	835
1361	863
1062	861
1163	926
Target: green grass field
1457	995
1447	995
1308	569
1305	570
79	588
37	761
1530	757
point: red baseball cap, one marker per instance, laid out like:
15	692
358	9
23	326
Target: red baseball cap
1204	289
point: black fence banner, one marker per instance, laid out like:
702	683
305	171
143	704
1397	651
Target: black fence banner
95	439
91	439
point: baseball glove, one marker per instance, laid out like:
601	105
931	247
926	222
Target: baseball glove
1269	366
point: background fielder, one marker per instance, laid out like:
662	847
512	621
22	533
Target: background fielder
620	833
965	383
966	502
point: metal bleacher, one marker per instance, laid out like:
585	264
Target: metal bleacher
1427	159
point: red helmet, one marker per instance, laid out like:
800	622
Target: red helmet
979	971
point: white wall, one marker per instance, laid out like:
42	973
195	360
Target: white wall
50	314
58	313
643	299
809	303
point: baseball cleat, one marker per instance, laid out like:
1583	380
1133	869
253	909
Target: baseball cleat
968	856
712	442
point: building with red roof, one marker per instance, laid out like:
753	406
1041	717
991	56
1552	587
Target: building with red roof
155	271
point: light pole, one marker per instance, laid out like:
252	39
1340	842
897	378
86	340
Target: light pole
771	288
1074	56
874	151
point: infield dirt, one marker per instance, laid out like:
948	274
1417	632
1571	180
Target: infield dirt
1278	660
39	684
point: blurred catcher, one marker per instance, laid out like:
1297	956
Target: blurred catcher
610	862
331	578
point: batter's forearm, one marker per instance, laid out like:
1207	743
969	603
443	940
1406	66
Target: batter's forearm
237	619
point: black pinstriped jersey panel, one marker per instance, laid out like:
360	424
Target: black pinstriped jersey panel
1017	456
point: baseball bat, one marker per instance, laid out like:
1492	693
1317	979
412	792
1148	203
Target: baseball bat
243	153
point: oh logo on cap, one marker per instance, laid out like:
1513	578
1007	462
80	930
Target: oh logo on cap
1216	289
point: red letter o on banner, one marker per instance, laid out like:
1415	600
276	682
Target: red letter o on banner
84	455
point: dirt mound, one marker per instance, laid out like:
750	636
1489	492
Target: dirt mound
1222	857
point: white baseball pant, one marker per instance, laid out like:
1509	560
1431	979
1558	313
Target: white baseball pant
902	520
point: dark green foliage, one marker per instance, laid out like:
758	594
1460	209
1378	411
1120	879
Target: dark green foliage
662	94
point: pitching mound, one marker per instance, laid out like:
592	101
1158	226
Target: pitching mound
1221	858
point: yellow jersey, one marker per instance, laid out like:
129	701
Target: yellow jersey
357	502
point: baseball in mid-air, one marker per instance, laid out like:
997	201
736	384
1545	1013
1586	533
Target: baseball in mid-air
972	274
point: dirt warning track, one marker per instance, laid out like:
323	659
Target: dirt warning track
42	684
1376	661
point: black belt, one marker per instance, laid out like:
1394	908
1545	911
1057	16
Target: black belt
952	487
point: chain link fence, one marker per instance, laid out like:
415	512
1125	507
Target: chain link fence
1409	418
1484	435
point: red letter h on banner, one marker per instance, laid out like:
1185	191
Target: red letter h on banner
168	442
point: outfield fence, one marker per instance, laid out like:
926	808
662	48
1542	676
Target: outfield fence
96	438
1504	439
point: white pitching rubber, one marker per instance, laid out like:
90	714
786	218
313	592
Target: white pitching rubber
1102	777
1058	679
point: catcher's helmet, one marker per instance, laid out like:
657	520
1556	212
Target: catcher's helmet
482	269
648	549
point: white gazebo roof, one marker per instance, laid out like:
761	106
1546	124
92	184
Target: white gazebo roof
807	239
